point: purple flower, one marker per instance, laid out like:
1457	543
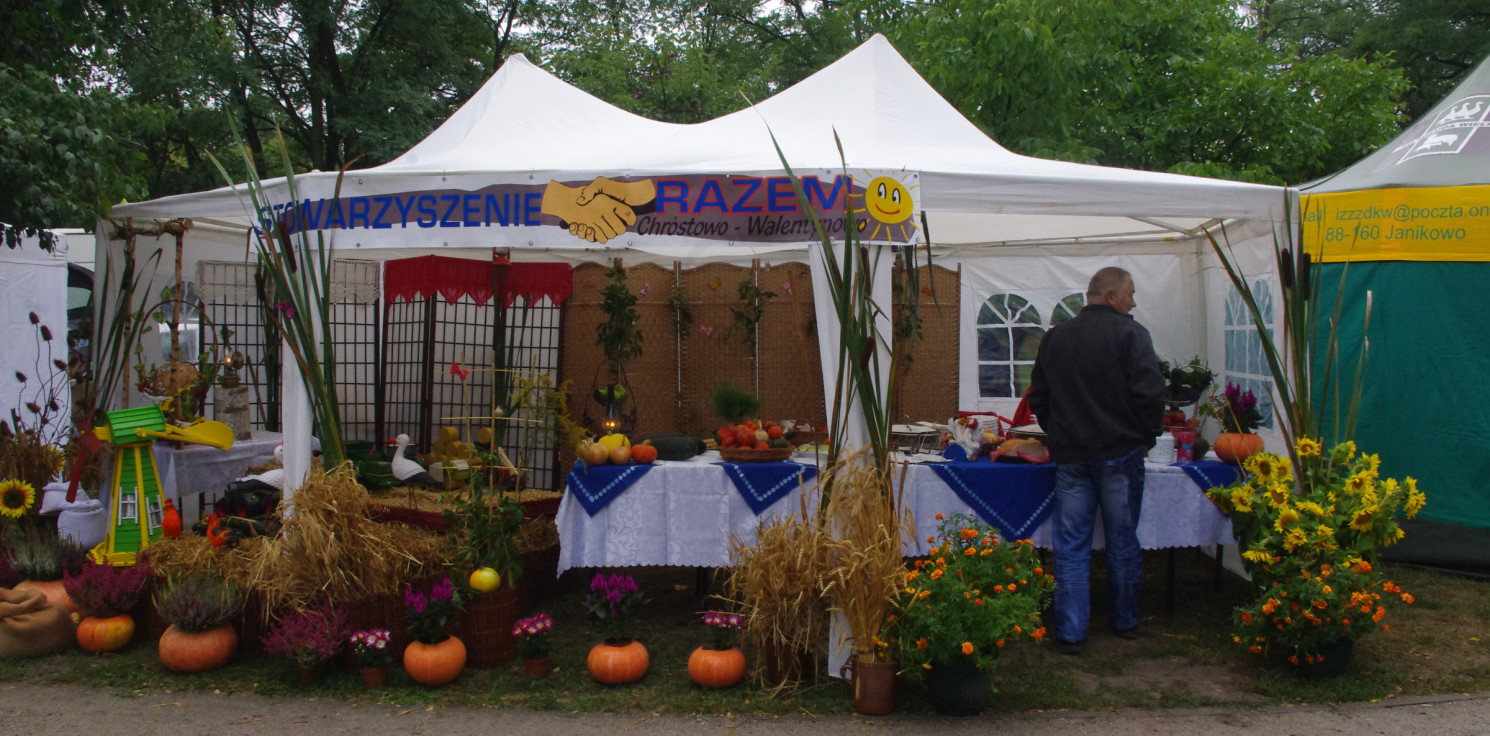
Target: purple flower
287	308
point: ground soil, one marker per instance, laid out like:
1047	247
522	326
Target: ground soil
35	709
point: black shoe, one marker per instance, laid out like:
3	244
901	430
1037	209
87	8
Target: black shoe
1069	647
1129	634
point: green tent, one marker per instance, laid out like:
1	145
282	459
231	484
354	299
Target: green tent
1410	223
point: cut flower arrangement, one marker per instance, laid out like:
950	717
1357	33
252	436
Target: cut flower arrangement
974	594
1310	544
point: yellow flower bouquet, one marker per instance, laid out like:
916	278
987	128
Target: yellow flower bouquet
975	593
1310	543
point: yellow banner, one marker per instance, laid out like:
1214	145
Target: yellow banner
1409	224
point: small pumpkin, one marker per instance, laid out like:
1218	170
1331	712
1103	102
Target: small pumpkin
52	590
616	664
645	454
1236	447
435	664
183	651
715	668
108	634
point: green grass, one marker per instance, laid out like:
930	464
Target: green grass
1187	660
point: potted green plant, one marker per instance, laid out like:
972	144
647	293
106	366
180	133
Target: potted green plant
975	593
533	644
481	537
370	650
435	657
309	637
104	594
198	608
1311	545
612	602
620	341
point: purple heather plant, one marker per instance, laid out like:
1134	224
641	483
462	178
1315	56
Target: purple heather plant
1242	406
198	602
429	613
102	591
612	601
309	636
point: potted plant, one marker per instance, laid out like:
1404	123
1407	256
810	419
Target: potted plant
435	657
1239	417
198	608
310	637
104	594
533	644
718	663
42	558
370	650
975	593
620	340
1310	545
482	538
612	601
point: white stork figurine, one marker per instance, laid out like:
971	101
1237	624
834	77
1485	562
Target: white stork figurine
407	471
269	480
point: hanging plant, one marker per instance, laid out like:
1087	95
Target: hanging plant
617	335
682	311
752	309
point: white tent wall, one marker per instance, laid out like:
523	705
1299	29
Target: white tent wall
32	281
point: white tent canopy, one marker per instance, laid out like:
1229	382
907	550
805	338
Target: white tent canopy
1012	223
526	127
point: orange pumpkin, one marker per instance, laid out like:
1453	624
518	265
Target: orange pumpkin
615	664
105	634
183	651
435	664
52	590
1236	447
644	454
713	668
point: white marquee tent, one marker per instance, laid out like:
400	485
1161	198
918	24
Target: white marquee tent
501	171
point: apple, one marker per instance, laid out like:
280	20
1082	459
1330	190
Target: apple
485	579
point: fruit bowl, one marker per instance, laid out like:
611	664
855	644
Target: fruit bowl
740	455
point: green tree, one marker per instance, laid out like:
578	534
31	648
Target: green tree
1434	42
1180	85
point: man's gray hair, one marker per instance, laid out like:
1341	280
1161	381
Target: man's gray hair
1108	279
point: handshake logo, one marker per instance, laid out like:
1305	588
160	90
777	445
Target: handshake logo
601	210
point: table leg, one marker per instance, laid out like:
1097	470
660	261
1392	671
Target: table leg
701	577
1220	550
1169	584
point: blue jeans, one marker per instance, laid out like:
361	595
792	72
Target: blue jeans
1116	486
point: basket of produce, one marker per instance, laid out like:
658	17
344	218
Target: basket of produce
741	455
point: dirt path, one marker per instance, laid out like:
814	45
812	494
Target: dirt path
28	709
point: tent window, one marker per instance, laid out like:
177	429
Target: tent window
1009	332
1246	365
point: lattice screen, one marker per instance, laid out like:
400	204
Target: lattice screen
231	300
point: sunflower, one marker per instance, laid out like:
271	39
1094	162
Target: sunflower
16	496
55	458
1307	447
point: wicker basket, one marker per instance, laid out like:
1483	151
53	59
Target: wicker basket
741	455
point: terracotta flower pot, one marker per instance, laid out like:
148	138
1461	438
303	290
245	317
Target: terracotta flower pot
716	668
373	677
183	651
536	667
874	686
1236	447
435	664
105	634
618	663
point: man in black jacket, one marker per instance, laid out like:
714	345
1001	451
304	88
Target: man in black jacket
1098	393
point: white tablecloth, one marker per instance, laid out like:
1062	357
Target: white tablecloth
683	513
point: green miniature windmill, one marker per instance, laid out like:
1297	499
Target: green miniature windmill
136	483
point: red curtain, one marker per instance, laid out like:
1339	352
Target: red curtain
452	278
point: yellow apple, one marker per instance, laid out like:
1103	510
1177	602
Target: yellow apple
485	579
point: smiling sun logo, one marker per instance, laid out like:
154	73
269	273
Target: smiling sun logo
885	205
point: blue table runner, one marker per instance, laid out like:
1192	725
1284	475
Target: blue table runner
595	486
1208	474
1014	497
762	484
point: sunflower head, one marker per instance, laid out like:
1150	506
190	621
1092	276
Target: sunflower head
16	497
